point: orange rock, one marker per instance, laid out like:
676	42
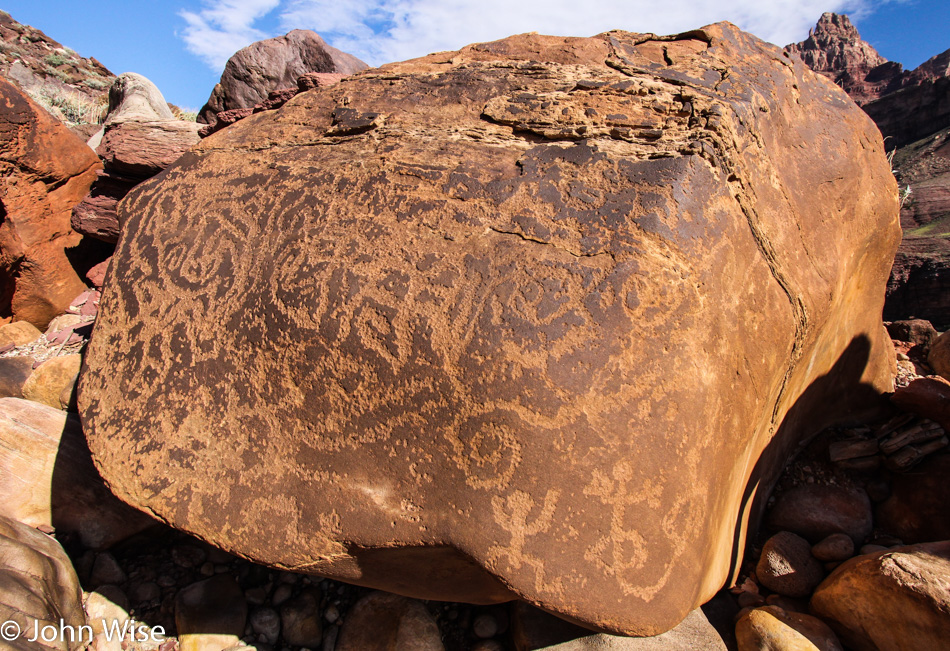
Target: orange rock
45	170
892	599
542	318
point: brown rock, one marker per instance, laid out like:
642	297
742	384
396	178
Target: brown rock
300	619
256	70
318	80
381	621
210	615
894	599
836	547
44	171
143	149
14	372
771	628
49	479
18	333
38	588
917	511
919	332
96	214
939	356
53	379
815	512
97	275
928	397
478	346
787	567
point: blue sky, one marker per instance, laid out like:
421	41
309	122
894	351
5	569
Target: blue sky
182	45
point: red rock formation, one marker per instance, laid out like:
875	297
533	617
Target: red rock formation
835	49
533	319
912	110
256	70
45	170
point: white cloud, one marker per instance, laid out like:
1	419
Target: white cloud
379	31
222	27
410	28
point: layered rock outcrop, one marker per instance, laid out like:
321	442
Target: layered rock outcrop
140	138
253	72
552	338
45	170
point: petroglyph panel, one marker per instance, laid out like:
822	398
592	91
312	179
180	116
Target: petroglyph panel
519	321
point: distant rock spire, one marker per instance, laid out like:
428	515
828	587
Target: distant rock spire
835	49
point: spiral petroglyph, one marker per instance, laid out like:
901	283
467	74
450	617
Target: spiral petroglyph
533	331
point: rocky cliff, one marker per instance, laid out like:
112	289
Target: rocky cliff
912	110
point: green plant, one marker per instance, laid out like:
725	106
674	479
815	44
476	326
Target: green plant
905	195
95	84
56	60
74	107
56	72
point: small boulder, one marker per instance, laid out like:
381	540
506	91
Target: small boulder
917	510
893	599
134	97
939	355
928	397
18	333
787	567
97	274
815	512
300	618
919	332
381	620
836	547
38	588
53	382
106	607
210	615
771	628
14	372
141	149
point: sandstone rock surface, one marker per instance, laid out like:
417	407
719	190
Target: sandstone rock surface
38	587
463	368
49	479
44	171
894	599
771	628
256	70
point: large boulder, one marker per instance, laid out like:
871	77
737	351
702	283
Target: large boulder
893	599
256	70
541	318
45	170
